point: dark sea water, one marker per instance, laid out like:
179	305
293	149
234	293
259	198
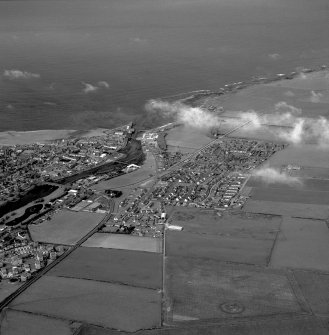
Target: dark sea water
143	49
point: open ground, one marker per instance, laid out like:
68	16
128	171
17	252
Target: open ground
143	269
65	227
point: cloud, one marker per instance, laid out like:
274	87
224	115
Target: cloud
295	129
270	175
289	94
17	74
191	116
274	56
104	84
89	88
138	40
316	97
10	106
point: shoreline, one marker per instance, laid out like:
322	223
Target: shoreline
13	137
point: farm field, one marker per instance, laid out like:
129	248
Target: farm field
278	326
183	136
235	224
143	269
21	323
65	227
306	184
250	250
146	171
311	172
302	244
290	195
287	209
306	155
198	289
114	306
120	241
315	288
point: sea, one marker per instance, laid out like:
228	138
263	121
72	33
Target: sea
75	64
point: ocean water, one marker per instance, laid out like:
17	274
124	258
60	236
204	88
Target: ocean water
87	64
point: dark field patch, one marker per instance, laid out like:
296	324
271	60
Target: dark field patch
196	289
290	195
287	209
21	323
233	249
135	268
237	237
306	185
104	304
315	287
302	244
269	326
235	224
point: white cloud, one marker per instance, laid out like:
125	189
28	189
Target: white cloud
18	74
296	129
89	88
316	97
289	94
274	56
104	84
273	176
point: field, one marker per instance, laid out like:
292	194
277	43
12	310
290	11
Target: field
288	209
233	249
239	237
143	269
21	323
146	171
185	137
65	227
304	155
109	305
290	195
315	288
235	224
302	244
199	289
311	184
278	326
117	241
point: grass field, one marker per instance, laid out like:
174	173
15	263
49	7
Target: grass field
147	170
302	244
233	249
65	227
307	184
238	237
288	209
277	326
21	323
311	172
236	224
109	305
304	155
143	269
290	195
183	136
315	288
117	241
197	288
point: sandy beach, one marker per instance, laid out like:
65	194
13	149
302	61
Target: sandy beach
10	138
